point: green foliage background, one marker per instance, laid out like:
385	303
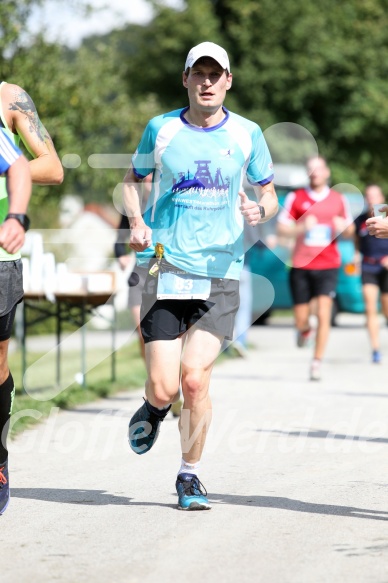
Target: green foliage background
322	65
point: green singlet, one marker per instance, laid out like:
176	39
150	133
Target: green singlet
4	256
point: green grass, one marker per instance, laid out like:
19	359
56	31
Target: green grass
130	374
283	313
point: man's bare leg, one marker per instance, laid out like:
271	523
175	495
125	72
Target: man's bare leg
200	352
163	361
324	308
371	293
301	316
163	368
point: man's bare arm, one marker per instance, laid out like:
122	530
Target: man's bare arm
19	186
141	235
23	119
267	197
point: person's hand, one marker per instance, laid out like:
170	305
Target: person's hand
140	237
378	227
384	262
249	209
339	224
310	222
12	236
383	208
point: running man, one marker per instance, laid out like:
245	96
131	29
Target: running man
18	120
191	239
12	230
315	217
374	269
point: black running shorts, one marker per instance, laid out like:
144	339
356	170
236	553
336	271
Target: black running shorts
380	279
11	293
306	284
169	319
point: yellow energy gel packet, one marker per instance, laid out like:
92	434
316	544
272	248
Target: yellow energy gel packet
159	250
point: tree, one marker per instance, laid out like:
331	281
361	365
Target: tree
13	18
322	65
82	99
155	56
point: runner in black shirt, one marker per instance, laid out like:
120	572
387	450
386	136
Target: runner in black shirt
374	269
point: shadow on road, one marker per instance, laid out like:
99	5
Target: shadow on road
299	506
70	496
324	434
102	498
99	410
76	496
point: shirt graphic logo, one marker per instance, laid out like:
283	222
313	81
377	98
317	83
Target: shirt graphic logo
202	180
226	153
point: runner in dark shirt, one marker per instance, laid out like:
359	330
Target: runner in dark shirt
374	269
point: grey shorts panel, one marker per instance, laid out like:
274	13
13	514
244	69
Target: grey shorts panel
11	285
136	283
169	319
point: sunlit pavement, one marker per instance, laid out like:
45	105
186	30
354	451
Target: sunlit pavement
296	471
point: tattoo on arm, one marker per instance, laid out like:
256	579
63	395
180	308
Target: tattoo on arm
22	102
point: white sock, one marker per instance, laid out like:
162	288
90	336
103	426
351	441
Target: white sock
187	468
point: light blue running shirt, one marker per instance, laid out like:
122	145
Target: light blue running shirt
193	209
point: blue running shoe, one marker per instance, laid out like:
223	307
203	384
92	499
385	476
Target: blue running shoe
4	487
144	427
190	495
376	357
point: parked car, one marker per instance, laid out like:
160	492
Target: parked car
273	261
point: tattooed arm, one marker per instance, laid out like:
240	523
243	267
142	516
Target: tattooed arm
23	119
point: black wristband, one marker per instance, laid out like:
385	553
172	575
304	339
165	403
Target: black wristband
262	211
23	219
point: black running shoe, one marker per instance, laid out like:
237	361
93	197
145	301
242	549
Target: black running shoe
144	428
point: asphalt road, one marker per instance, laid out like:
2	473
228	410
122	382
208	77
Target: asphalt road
296	471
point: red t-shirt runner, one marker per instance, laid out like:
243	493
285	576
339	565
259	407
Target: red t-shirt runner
315	248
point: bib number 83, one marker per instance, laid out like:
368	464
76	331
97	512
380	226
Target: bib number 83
183	284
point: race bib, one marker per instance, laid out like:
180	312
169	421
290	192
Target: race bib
175	284
318	236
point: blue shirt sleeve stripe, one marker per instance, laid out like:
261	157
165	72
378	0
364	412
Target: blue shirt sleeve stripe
266	180
9	153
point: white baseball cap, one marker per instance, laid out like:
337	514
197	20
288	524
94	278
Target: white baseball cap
208	49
